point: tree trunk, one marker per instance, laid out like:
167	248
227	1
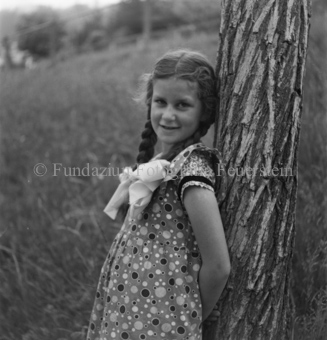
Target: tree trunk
260	67
6	44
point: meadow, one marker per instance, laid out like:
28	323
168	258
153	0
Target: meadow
54	235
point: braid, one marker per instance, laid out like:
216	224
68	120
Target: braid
149	140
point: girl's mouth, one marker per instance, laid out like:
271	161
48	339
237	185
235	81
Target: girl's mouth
169	127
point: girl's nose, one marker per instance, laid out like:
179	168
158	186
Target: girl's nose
168	113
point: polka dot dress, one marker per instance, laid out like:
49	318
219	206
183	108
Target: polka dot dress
148	287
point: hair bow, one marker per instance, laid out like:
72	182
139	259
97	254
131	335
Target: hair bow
137	187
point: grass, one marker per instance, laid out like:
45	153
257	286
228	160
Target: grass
54	235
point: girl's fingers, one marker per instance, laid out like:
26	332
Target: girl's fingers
213	317
214	314
208	322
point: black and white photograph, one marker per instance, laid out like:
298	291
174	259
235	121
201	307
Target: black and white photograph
163	170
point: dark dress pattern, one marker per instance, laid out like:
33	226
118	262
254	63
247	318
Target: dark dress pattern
148	287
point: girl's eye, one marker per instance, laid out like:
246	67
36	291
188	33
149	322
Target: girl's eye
183	105
159	101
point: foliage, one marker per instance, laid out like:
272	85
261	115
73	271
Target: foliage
40	42
164	15
128	17
310	256
91	36
196	12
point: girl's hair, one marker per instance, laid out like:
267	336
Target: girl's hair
182	64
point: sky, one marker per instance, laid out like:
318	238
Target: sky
26	4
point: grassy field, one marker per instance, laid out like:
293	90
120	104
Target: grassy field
54	236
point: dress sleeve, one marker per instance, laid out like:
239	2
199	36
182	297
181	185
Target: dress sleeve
197	170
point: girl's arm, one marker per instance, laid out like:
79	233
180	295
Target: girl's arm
202	208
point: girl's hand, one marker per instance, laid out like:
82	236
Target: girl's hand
213	317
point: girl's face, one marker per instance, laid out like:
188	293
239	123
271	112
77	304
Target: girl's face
175	110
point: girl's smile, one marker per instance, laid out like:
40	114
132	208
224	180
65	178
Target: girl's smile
175	110
168	127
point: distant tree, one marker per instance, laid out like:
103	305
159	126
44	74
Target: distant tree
40	32
7	56
147	22
97	40
165	16
195	11
127	18
92	35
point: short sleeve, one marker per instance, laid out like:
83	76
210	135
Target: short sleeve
197	170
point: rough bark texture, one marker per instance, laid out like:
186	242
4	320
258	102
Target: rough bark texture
260	66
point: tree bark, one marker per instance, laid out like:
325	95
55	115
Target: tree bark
260	68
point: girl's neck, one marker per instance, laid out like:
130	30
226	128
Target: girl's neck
174	151
166	148
157	156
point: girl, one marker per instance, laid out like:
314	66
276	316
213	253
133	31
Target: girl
169	263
